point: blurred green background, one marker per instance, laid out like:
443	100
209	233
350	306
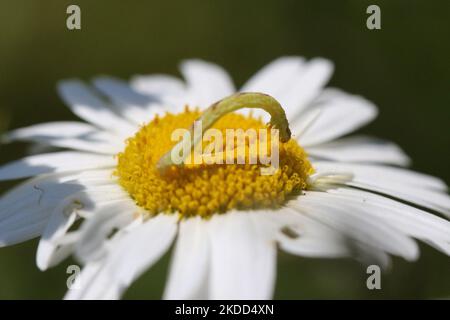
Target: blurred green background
404	68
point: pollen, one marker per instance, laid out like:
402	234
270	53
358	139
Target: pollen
206	189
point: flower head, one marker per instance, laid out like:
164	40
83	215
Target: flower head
331	196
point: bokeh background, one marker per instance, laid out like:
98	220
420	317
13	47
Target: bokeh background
404	68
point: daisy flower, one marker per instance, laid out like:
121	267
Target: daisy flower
104	200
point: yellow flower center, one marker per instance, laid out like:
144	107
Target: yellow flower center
204	189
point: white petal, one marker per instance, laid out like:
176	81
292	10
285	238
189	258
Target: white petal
292	81
360	149
111	147
189	266
410	186
45	192
49	255
60	129
131	104
306	86
26	232
40	191
89	274
409	220
243	258
92	283
158	85
131	254
314	239
93	234
207	82
276	77
50	252
53	163
72	135
170	90
85	202
341	113
140	249
368	255
320	240
25	209
365	229
430	199
380	174
88	106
